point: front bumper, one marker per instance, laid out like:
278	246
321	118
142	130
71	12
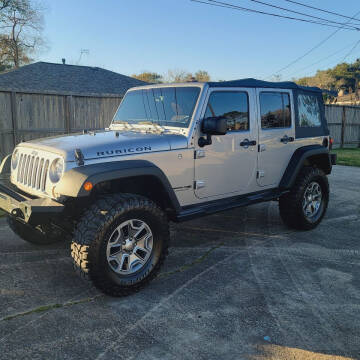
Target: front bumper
34	211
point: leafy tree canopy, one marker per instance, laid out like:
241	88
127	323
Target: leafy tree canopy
173	75
342	76
149	77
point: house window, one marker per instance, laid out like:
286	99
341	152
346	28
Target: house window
233	105
309	111
275	110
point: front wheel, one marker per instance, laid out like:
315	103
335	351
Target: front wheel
120	243
305	205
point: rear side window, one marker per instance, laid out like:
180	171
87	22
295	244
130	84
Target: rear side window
309	111
233	105
275	110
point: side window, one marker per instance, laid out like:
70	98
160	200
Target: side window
275	110
309	111
233	105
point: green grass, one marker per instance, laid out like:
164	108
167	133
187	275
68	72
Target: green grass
1	213
349	157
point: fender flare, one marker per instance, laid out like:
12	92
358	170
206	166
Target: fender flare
298	159
5	167
73	180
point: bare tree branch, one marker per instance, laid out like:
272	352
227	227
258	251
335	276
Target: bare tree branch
21	24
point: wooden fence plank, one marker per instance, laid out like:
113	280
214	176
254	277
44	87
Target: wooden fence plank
14	117
343	121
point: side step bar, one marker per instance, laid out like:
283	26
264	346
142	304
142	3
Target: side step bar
195	211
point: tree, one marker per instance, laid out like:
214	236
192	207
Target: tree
21	24
179	75
149	77
5	4
342	76
202	76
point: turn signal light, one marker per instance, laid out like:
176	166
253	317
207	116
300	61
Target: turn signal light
331	142
88	186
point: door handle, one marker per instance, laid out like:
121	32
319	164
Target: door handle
287	139
246	143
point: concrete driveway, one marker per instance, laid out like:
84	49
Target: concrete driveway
236	285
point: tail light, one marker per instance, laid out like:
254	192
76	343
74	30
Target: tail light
327	142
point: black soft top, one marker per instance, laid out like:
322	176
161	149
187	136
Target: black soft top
263	84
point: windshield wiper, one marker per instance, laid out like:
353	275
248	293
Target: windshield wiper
125	123
157	126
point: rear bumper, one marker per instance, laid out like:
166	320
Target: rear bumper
33	211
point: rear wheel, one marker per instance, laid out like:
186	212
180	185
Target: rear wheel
120	243
305	205
40	235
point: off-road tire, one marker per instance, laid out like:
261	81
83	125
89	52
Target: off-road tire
34	235
290	204
92	234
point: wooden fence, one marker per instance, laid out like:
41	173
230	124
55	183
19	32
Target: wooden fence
344	124
26	116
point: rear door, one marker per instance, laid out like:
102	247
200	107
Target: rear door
228	165
276	134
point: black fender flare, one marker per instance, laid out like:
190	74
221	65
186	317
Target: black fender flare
72	183
299	159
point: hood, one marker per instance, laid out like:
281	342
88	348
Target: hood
101	144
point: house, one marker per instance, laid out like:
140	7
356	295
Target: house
43	77
350	99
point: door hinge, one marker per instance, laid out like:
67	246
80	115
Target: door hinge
261	147
199	184
260	174
199	154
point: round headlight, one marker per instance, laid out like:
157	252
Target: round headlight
15	159
56	170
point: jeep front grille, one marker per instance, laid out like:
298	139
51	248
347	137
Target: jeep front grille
32	171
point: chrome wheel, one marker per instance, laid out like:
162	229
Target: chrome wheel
312	200
129	247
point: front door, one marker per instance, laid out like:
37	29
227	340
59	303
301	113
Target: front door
276	134
228	165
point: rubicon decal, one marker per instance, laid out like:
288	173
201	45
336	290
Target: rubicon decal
124	151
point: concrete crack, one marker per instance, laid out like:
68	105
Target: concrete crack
49	307
190	265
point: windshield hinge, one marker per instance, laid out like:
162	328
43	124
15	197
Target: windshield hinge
199	154
79	157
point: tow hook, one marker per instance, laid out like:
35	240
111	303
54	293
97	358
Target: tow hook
17	213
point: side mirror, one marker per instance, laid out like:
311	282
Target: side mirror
214	126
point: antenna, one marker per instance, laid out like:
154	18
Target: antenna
83	52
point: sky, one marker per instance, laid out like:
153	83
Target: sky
132	36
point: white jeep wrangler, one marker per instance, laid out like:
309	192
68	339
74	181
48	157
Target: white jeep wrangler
173	152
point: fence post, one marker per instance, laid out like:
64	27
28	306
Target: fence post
68	113
13	117
343	121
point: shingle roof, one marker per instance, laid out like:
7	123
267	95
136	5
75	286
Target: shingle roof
50	77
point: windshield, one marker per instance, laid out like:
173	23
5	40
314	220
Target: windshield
168	106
